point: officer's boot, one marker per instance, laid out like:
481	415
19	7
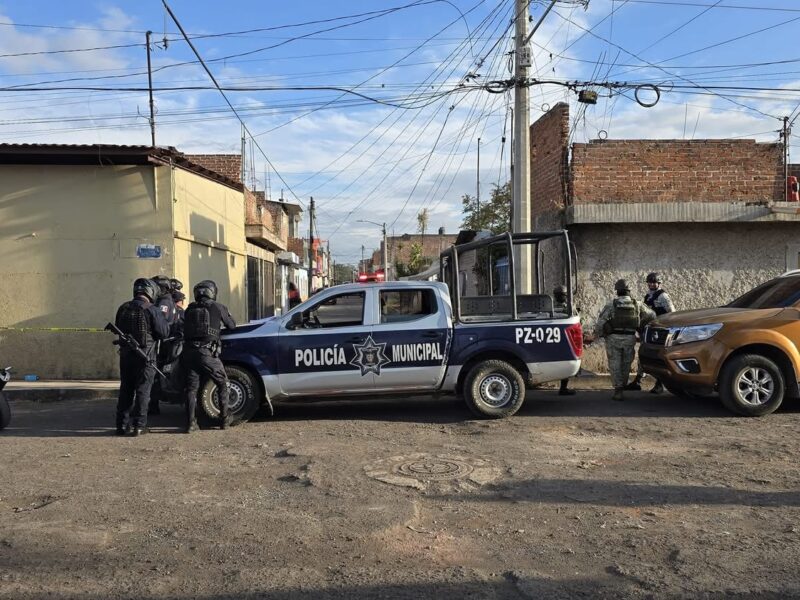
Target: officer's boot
191	427
617	394
658	388
224	418
635	385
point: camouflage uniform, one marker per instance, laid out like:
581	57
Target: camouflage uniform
620	346
658	301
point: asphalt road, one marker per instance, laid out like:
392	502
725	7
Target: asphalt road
577	497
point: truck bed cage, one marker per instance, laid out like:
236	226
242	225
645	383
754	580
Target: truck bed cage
507	306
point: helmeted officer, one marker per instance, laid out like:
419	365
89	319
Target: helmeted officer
140	319
166	304
560	305
201	328
618	323
176	285
657	300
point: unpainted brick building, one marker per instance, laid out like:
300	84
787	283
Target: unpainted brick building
708	214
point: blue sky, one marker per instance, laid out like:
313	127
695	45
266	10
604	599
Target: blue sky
364	160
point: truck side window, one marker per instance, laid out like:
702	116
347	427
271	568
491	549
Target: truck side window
399	306
345	310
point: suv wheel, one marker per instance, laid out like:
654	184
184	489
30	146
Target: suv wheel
243	397
494	388
751	385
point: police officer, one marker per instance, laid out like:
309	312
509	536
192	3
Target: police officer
618	323
660	303
202	323
166	303
176	285
140	319
560	305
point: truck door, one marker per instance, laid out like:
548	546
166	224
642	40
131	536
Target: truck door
415	327
331	351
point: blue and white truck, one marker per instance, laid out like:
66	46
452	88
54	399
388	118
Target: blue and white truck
470	334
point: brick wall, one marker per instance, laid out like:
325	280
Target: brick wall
621	171
550	161
253	216
229	165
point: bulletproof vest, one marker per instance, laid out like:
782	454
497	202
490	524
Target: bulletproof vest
202	322
626	315
131	319
650	301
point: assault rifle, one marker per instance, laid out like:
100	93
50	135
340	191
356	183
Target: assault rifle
125	339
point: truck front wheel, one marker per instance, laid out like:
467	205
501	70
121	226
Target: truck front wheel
751	385
243	397
494	389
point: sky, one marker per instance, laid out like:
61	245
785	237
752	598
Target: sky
396	131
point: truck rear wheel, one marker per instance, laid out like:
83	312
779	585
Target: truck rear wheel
494	389
243	397
751	385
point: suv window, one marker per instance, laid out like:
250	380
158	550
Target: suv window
778	293
344	310
398	306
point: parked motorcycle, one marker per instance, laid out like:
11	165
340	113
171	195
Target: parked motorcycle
5	409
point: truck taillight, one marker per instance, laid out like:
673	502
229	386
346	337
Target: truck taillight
575	336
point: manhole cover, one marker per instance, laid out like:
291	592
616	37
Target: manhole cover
442	471
434	468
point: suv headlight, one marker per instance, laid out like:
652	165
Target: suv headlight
694	333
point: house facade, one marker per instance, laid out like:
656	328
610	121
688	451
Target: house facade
78	224
708	214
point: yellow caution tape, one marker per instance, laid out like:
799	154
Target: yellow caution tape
58	329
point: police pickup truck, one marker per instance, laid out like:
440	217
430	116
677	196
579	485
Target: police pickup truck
476	338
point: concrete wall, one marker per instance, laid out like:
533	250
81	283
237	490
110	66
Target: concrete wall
209	229
68	241
676	171
706	264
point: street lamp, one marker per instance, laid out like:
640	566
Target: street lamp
385	250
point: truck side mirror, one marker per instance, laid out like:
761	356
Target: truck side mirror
296	321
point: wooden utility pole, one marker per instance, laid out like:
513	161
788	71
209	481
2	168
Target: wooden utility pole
150	91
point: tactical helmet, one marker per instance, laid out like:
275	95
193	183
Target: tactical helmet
622	286
145	287
176	284
560	290
162	281
654	278
205	289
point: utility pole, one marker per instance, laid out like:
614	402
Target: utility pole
310	244
522	177
361	264
243	157
478	187
785	159
150	91
385	254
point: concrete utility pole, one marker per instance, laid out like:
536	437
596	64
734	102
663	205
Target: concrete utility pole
150	91
310	244
478	185
785	136
385	255
521	177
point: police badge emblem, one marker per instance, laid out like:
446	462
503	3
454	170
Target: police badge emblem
370	357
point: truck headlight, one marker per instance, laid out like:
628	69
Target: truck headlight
694	333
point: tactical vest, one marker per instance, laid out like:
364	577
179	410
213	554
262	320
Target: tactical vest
201	322
131	319
650	301
626	316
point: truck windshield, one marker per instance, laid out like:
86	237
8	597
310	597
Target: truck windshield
778	293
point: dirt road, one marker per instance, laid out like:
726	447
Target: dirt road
572	498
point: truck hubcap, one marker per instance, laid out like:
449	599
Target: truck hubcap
236	397
755	386
495	390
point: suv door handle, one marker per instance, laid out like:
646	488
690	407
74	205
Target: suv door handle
431	334
354	340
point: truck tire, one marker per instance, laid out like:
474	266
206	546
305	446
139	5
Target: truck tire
494	389
751	385
244	397
5	412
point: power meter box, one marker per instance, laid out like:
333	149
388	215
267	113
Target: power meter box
525	56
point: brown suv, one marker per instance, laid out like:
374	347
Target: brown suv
747	350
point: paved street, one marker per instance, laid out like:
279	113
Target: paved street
579	497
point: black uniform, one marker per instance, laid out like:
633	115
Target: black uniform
202	323
145	323
166	350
